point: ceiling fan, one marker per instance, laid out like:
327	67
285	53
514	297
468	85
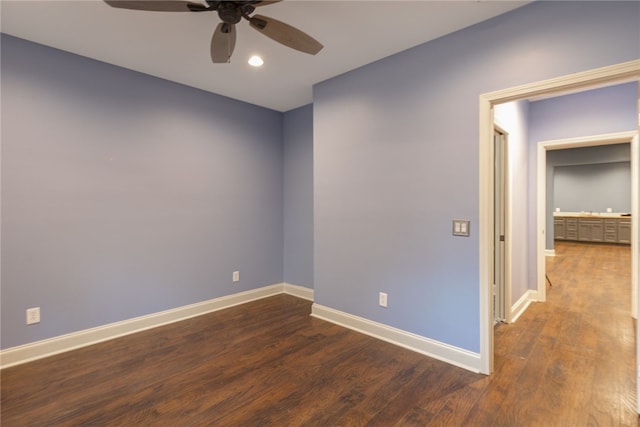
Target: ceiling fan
230	12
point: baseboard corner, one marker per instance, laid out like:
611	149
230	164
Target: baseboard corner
522	304
298	291
444	352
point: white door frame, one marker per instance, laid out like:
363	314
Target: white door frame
541	190
615	74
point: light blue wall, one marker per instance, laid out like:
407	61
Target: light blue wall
595	112
593	188
298	196
396	159
124	195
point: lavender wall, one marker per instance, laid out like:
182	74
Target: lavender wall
298	196
605	110
396	159
594	112
593	188
124	195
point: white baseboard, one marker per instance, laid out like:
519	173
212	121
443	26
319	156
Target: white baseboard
298	291
40	349
444	352
549	252
522	304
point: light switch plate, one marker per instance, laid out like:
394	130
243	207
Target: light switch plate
461	227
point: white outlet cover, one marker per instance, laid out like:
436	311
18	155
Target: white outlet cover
382	299
33	315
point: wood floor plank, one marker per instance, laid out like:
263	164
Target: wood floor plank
567	362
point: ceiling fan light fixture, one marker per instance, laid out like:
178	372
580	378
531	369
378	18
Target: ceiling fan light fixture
256	61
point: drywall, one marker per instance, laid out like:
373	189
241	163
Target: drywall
596	154
600	111
593	188
125	195
396	160
298	196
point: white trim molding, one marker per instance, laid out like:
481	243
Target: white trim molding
591	79
541	189
438	350
522	304
549	252
298	291
60	344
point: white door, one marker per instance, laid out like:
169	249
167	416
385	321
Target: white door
499	226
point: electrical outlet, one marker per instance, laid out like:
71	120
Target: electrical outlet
236	276
33	315
382	299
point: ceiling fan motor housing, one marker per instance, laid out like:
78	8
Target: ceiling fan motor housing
230	12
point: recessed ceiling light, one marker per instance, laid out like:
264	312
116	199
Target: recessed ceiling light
256	61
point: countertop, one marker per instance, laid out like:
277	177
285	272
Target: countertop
596	215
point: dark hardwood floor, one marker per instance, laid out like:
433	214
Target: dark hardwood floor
567	362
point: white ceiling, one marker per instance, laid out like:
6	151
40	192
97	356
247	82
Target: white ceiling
175	46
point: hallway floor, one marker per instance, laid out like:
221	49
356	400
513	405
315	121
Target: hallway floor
572	359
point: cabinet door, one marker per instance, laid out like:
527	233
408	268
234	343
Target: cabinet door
597	231
584	231
559	229
624	231
590	230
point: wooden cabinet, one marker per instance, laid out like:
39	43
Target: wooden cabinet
565	228
560	228
572	228
624	230
611	230
592	229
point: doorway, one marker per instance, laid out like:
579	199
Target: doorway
541	188
620	73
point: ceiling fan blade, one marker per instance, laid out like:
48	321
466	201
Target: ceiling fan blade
223	42
154	5
285	34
